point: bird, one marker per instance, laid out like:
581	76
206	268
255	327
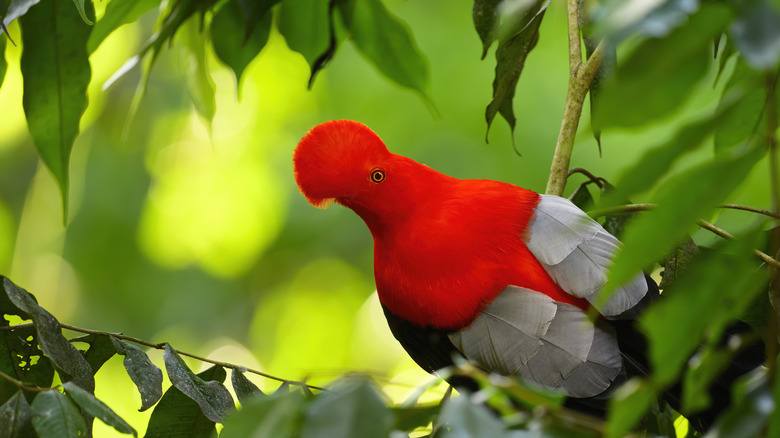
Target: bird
502	276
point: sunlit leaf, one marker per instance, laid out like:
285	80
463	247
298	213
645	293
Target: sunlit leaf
756	33
198	79
516	40
118	13
15	417
351	409
628	405
56	72
231	44
146	376
179	416
409	418
213	398
278	415
54	415
387	42
244	388
751	405
58	349
100	350
466	418
668	66
719	285
97	408
485	21
305	27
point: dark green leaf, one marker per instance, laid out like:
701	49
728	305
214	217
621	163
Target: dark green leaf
3	62
485	19
178	416
56	72
97	408
606	69
55	416
231	44
387	42
117	13
668	66
21	358
213	398
254	12
409	418
100	350
516	40
756	33
245	389
700	371
628	405
467	418
351	409
719	285
15	417
676	261
581	197
305	26
752	404
774	420
58	349
682	200
146	376
84	10
278	415
660	421
199	82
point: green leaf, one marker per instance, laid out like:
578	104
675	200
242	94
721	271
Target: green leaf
756	33
605	71
516	40
305	27
682	200
97	408
628	405
100	350
700	372
351	409
83	10
199	82
59	350
231	44
774	420
15	417
719	285
16	9
278	415
178	416
3	62
412	417
56	72
55	416
669	66
467	418
581	197
117	13
751	405
213	398
622	18
146	375
254	12
21	358
676	261
245	389
387	42
485	19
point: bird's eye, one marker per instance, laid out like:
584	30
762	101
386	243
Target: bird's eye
377	175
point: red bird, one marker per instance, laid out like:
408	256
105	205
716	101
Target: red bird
494	272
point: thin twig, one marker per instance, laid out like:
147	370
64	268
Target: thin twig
24	386
593	178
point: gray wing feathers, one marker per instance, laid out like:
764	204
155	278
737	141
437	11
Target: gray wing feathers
576	251
549	343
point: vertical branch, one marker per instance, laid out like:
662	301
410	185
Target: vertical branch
774	180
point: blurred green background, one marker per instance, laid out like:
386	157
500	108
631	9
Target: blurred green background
201	238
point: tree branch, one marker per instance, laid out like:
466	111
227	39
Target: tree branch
24	386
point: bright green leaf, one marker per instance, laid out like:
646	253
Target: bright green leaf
54	415
231	45
244	388
56	72
628	405
3	62
97	408
213	398
15	417
656	78
756	33
305	26
199	82
58	349
146	376
352	409
118	13
278	415
178	416
387	42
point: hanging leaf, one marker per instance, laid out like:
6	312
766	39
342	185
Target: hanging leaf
231	44
213	398
146	376
516	40
83	10
387	42
179	416
97	408
244	388
54	415
254	12
15	417
56	72
199	83
100	350
21	358
485	18
278	415
117	14
305	27
353	409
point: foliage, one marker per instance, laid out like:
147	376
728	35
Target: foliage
642	67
